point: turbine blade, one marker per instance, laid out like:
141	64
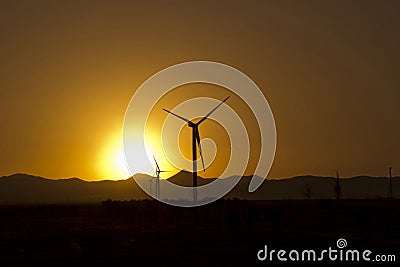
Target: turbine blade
157	167
214	109
176	115
199	145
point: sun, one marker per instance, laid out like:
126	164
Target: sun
112	165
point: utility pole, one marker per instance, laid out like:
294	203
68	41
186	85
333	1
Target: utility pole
308	191
338	187
390	183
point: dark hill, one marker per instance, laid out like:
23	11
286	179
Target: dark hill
28	189
185	178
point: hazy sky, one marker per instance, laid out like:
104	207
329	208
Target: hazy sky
329	69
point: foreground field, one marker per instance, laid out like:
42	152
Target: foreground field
229	232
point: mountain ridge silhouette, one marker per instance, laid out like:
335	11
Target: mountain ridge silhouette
30	189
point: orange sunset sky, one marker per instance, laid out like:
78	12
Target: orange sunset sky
329	70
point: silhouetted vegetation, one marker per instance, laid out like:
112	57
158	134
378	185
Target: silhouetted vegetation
125	232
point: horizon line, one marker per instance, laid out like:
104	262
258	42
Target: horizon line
125	179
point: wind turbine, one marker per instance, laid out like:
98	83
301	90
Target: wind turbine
196	139
158	171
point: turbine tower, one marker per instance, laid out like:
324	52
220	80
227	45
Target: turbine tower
158	171
151	185
196	142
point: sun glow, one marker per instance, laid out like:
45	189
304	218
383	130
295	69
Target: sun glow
112	164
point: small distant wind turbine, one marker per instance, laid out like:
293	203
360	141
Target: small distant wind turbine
196	139
158	171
